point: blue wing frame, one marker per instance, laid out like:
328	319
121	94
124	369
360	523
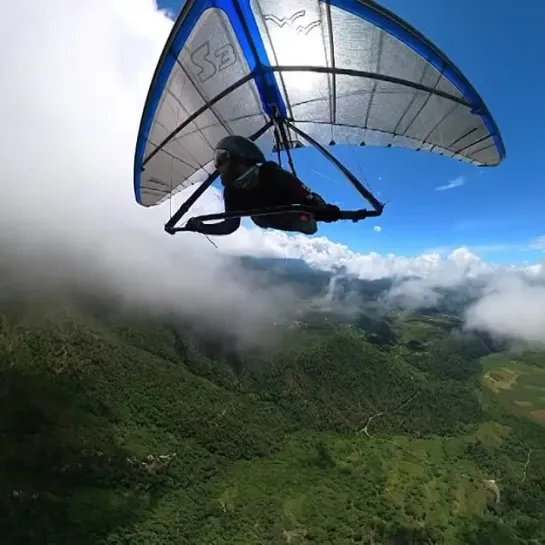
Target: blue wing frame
245	26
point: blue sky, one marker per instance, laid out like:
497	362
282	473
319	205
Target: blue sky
498	211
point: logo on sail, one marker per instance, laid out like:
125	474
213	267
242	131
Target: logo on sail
290	22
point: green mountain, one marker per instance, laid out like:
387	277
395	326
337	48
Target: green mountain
123	427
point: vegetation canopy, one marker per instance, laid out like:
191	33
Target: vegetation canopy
126	428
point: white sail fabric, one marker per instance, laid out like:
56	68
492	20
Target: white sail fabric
346	71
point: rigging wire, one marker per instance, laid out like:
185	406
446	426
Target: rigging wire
281	137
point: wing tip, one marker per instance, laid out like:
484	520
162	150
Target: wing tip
457	78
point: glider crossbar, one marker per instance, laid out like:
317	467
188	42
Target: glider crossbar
353	215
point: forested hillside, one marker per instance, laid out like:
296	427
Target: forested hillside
119	427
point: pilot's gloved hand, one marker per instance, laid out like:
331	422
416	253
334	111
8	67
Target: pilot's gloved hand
193	224
329	213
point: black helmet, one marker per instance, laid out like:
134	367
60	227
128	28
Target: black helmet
239	149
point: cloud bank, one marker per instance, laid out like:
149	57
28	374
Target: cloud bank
513	308
75	79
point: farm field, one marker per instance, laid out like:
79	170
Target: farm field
518	383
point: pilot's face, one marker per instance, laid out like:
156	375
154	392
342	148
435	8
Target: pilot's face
223	168
222	163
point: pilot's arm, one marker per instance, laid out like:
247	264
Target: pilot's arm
225	227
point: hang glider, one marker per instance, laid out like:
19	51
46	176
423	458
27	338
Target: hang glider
292	73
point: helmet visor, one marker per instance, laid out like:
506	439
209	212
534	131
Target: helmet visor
221	158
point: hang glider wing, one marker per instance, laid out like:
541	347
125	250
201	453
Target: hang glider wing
337	70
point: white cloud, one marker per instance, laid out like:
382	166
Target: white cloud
322	253
377	228
511	307
538	243
75	77
457	182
